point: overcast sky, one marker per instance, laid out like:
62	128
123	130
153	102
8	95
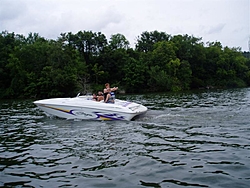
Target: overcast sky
226	21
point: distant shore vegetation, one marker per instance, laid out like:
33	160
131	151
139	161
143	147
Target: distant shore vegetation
35	67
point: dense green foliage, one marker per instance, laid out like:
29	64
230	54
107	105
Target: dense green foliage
33	66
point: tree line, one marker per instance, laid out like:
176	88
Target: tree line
32	66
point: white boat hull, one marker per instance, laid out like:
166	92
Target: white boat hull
85	108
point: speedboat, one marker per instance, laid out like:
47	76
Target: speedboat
85	108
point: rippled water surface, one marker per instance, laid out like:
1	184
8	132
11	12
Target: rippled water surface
194	139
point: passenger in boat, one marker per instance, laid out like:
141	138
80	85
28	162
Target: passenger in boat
95	98
107	85
108	98
100	96
112	90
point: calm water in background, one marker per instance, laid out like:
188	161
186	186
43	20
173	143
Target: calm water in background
192	139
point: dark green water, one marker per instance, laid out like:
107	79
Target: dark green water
194	139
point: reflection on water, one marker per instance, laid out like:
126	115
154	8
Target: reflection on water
194	139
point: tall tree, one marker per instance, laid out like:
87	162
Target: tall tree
118	41
8	43
146	41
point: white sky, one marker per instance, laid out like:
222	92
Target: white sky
226	21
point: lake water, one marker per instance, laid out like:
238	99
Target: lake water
190	139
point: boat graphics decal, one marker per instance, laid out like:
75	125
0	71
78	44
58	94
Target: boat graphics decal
126	104
71	112
59	109
81	113
99	115
108	116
